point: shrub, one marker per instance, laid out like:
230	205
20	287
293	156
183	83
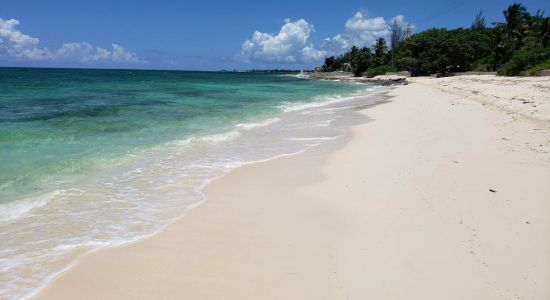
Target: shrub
535	71
524	59
380	70
483	64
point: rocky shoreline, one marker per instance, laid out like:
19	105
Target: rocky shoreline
388	79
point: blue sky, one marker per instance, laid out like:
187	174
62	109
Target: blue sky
212	35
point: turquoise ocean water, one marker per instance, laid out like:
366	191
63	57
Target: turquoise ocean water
92	158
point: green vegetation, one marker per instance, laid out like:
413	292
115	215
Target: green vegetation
520	43
525	59
535	71
380	70
441	50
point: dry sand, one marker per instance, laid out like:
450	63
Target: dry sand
523	97
404	210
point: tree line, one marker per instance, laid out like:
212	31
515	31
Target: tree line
520	43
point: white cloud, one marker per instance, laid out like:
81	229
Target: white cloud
85	53
290	45
359	23
400	19
310	52
16	45
359	31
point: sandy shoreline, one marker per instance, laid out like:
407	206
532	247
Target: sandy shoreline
401	211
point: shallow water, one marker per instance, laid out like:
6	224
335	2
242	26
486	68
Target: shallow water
93	158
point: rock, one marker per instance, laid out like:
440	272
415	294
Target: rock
387	79
401	73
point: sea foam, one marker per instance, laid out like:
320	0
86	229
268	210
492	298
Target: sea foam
248	126
16	209
222	137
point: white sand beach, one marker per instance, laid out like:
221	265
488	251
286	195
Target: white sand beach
443	194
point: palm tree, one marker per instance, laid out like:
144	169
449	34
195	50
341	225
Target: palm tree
500	49
516	16
544	40
380	49
539	29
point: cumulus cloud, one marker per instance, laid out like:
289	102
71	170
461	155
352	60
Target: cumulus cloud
291	45
359	31
85	53
14	44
